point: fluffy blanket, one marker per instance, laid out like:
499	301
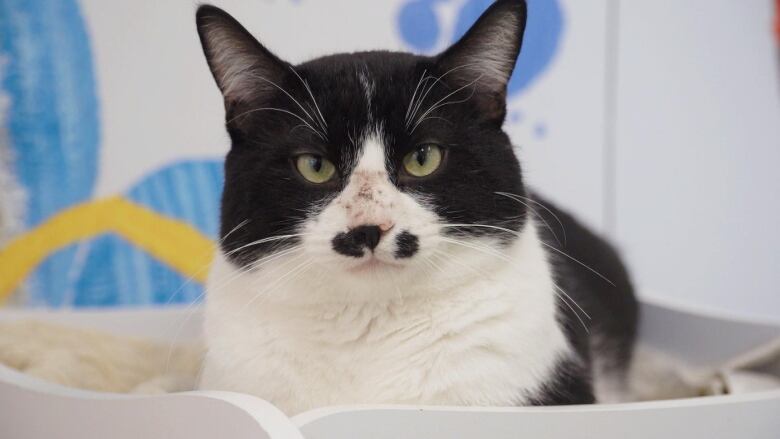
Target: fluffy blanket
92	360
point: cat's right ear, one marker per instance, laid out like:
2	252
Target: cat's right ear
243	68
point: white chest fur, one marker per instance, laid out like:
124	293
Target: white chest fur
487	337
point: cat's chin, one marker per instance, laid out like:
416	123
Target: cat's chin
374	265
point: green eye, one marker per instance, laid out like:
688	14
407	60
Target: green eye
423	160
315	168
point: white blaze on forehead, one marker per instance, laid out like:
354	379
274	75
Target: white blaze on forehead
372	157
369	196
368	90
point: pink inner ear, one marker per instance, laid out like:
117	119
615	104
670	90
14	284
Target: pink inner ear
488	51
242	67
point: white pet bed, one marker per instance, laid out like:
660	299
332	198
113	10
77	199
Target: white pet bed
30	408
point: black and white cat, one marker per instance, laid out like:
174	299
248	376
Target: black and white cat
379	246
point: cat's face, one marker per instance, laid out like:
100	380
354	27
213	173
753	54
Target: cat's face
368	163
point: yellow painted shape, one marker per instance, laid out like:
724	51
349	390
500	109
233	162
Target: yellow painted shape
172	242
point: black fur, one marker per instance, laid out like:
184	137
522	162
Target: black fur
407	245
263	187
353	242
570	384
608	330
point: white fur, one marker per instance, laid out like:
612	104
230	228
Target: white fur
368	90
455	324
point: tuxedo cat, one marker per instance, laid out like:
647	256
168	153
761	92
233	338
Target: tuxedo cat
378	244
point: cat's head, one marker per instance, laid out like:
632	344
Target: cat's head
372	165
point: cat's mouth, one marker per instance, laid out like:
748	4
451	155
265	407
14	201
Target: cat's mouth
372	264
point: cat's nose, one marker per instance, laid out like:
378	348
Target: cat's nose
368	235
358	238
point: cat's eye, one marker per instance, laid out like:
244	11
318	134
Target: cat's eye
423	160
315	168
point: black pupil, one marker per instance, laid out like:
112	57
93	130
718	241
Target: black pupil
422	155
316	163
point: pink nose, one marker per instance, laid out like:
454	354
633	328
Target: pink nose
358	219
386	226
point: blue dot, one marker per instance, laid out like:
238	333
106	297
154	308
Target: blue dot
540	130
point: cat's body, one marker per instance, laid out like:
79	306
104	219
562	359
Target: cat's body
378	244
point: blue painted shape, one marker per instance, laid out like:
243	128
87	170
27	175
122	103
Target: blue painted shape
53	117
418	24
540	44
188	190
108	271
117	274
52	122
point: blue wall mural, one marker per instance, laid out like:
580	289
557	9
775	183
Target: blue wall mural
54	132
53	123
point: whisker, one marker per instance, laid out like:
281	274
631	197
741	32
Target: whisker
436	80
439	103
487	226
303	265
449	258
287	94
189	311
420	100
486	250
435	265
274	256
575	314
531	200
560	290
205	266
534	211
282	111
589	268
411	101
561	252
434	118
264	240
323	124
427	260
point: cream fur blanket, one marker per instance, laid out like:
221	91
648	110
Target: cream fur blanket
93	360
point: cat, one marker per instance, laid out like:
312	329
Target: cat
378	244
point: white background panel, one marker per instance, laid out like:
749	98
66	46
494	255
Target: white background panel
698	151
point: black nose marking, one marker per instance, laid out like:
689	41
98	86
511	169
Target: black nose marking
369	235
352	243
406	245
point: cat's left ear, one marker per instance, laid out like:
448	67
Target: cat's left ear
485	57
242	67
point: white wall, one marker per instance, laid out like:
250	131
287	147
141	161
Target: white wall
698	149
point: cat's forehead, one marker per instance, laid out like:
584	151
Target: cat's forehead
363	95
383	77
382	65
